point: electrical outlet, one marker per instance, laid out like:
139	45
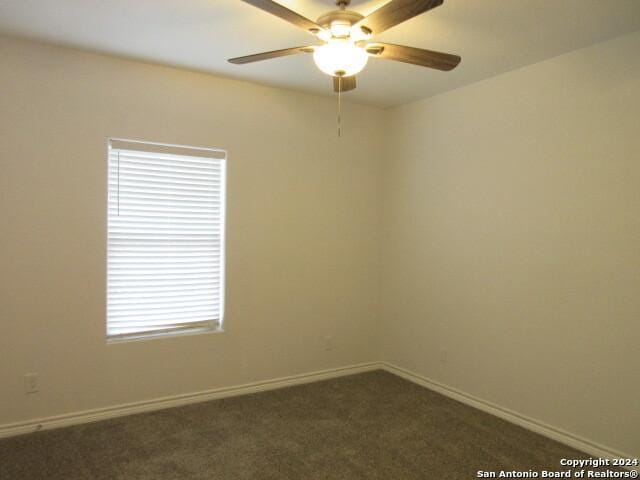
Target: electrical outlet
31	383
328	343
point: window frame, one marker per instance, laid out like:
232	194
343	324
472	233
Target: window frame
198	328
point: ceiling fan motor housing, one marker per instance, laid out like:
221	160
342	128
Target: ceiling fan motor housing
339	22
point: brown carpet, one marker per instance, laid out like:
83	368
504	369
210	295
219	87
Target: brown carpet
367	426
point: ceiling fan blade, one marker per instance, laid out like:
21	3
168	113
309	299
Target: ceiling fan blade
396	12
348	83
286	14
268	55
416	56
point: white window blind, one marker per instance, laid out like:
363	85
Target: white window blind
165	252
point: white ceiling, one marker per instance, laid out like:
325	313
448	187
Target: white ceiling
491	36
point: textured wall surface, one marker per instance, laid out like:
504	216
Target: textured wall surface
512	241
302	229
487	238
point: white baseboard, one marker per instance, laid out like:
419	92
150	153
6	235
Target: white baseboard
591	448
88	416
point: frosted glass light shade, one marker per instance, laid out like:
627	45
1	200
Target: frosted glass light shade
340	57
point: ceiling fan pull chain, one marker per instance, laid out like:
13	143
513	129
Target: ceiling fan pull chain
339	105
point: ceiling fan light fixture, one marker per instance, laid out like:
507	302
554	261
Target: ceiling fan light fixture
358	34
340	58
340	29
324	35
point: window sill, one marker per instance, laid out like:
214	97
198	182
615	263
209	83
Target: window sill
143	337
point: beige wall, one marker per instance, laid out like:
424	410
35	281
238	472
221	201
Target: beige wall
512	241
510	234
302	229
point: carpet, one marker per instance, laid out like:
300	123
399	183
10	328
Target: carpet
367	426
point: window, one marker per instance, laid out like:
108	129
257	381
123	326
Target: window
165	246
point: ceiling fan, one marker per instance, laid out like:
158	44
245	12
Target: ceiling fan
346	37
